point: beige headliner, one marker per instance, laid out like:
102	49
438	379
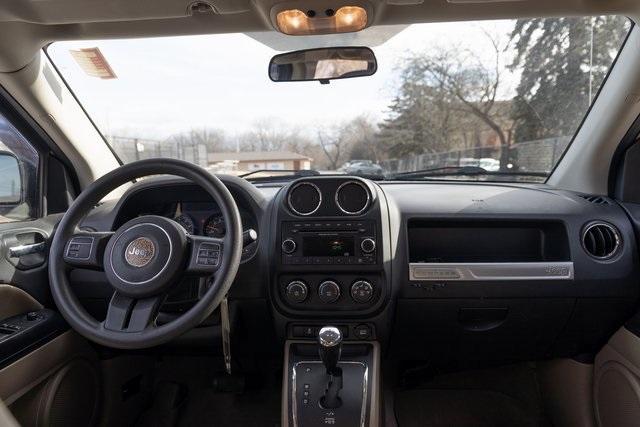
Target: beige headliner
28	25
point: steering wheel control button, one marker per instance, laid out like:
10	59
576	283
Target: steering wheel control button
296	292
329	291
140	252
79	248
208	254
289	246
368	245
362	291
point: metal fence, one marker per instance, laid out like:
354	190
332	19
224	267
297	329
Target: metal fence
132	149
533	156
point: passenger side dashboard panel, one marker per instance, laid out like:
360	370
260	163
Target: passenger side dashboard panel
450	310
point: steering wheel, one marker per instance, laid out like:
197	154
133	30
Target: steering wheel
143	259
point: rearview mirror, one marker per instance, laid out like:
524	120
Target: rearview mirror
323	64
11	182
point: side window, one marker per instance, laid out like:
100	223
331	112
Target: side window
19	190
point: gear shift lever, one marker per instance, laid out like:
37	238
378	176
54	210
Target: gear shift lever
330	343
330	340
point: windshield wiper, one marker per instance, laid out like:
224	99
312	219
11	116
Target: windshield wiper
279	173
460	171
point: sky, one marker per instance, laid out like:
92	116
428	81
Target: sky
170	85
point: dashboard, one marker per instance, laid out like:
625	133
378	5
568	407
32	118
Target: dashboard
447	271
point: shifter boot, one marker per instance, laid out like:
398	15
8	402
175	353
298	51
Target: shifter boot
331	398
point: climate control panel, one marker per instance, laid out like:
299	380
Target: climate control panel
328	293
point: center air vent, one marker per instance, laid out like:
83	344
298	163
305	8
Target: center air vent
305	198
352	197
601	240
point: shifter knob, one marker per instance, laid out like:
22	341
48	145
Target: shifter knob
330	340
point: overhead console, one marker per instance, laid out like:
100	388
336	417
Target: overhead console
331	248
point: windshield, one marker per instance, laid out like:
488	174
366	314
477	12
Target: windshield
504	97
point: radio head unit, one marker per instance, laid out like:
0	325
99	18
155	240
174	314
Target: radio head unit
328	242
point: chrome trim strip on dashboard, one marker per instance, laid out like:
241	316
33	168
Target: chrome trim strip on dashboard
490	271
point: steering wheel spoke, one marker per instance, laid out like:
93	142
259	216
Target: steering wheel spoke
126	314
205	255
86	249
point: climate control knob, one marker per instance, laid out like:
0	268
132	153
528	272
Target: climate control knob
362	291
368	245
328	291
296	291
288	246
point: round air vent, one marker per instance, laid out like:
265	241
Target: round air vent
601	240
352	197
305	198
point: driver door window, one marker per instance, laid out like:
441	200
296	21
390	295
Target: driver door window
19	192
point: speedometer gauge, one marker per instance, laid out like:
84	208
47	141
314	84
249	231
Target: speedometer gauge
215	226
185	221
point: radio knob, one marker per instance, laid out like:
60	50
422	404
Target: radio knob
288	246
362	291
368	245
329	291
296	291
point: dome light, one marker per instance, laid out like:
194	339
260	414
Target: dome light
347	19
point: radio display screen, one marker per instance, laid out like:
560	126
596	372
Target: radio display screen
328	246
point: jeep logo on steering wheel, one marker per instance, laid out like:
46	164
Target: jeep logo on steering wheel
139	252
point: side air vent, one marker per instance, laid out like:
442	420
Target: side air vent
596	200
601	240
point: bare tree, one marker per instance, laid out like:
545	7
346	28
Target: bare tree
472	86
447	96
213	139
363	139
270	135
331	145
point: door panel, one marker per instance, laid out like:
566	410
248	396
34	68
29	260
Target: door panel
617	381
14	301
22	267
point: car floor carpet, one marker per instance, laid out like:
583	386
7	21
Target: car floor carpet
501	397
254	403
249	409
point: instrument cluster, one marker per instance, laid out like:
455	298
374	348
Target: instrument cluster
205	219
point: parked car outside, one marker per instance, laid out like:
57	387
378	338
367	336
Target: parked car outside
363	167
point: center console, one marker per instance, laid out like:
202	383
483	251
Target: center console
331	382
330	288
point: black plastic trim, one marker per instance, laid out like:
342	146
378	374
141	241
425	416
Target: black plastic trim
33	334
41	142
617	161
